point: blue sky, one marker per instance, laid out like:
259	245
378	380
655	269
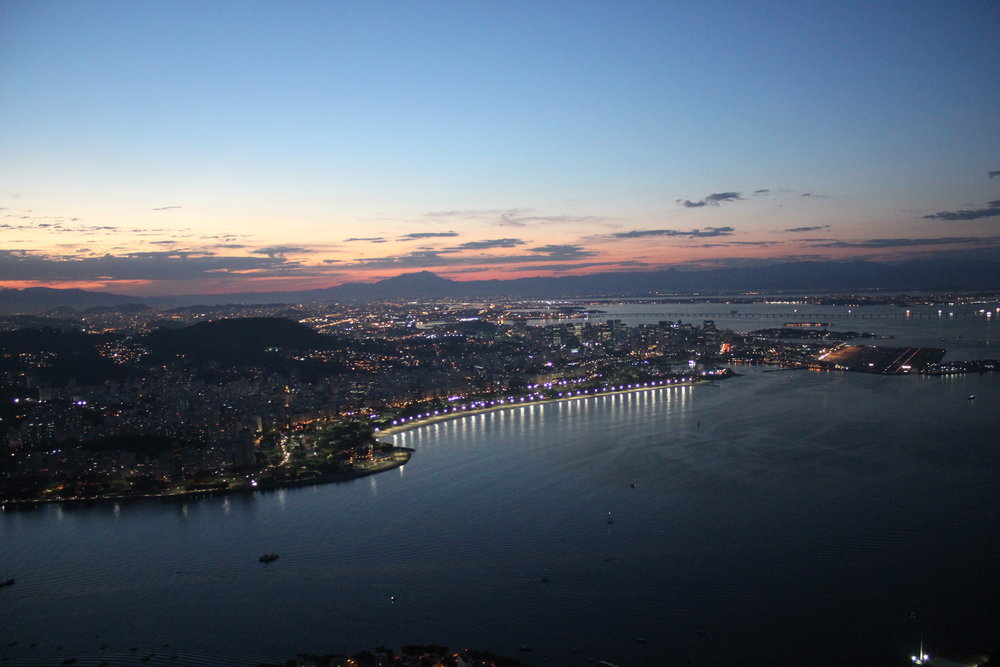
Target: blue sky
179	147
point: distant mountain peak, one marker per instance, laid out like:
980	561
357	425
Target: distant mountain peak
416	278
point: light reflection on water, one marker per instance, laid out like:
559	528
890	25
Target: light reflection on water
795	516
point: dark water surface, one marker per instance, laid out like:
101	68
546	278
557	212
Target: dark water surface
779	518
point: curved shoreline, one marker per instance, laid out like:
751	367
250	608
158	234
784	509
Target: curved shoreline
333	478
410	425
270	485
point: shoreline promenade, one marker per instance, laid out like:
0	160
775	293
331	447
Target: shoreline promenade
410	423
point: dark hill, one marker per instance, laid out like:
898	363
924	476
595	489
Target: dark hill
68	354
37	299
239	340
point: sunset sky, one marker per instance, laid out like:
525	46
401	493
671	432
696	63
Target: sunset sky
187	147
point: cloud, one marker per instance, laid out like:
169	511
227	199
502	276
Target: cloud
510	220
488	243
761	192
693	233
581	265
796	230
909	242
410	260
370	239
470	269
16	265
729	244
59	225
224	237
563	252
744	262
477	213
991	210
416	236
280	250
711	200
438	258
513	217
165	208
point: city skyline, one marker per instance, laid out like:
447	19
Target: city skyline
182	148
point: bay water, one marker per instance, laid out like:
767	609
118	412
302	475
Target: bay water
774	518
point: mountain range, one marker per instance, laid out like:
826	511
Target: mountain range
811	276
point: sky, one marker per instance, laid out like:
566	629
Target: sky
189	147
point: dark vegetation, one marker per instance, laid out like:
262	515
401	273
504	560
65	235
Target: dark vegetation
59	356
411	654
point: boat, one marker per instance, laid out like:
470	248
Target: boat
268	558
971	397
921	658
9	582
611	519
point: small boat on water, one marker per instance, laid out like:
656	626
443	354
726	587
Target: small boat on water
268	558
9	582
971	397
921	658
611	518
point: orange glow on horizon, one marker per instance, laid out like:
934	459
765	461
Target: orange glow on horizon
89	285
604	257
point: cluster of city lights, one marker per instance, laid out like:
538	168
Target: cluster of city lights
538	396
